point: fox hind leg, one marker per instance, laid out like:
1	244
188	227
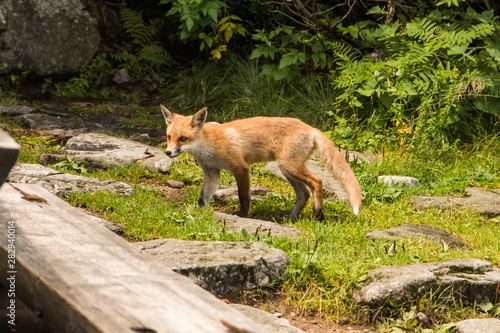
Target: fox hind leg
302	175
301	193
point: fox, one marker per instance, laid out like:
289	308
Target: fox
235	145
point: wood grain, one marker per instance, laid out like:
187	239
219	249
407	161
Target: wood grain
77	275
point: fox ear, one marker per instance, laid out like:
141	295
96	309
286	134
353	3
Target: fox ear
169	116
199	118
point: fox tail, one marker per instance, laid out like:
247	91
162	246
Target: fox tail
340	169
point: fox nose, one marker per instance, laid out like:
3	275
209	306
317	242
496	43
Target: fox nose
168	152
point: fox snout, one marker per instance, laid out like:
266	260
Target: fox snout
172	153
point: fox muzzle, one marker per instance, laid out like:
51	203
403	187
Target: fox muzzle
172	153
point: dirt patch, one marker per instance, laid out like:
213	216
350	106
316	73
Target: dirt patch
276	303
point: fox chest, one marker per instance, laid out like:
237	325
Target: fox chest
207	157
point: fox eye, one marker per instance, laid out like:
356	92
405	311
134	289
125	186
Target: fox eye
168	137
182	139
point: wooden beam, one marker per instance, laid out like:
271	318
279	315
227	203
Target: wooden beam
80	277
9	150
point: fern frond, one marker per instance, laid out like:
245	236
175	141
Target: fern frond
133	23
341	50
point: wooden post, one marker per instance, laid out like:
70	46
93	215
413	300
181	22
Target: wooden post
80	277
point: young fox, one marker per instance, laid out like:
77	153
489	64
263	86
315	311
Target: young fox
235	145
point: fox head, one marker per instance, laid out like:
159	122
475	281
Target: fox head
182	131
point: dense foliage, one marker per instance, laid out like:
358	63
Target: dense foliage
426	71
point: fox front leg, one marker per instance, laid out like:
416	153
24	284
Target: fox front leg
242	176
210	180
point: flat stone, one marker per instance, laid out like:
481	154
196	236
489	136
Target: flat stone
399	180
332	189
269	322
227	193
174	184
62	184
407	230
487	202
469	280
254	226
220	267
14	110
486	325
103	151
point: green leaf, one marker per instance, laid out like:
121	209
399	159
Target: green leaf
256	53
488	104
458	49
213	14
245	234
189	23
486	305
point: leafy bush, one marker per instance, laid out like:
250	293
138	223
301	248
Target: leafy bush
428	78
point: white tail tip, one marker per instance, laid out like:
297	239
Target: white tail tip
355	210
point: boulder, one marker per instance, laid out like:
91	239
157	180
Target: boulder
103	151
269	322
257	227
470	280
62	184
408	230
46	37
489	325
220	267
487	202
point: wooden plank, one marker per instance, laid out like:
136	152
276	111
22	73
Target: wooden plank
9	150
80	277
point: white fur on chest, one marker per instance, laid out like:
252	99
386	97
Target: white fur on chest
204	155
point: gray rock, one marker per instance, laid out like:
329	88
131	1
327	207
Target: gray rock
62	184
332	189
227	193
174	184
399	180
469	280
14	110
261	227
121	76
45	121
46	37
220	267
484	201
407	230
487	325
104	151
269	322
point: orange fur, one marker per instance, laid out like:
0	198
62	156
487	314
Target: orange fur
235	145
